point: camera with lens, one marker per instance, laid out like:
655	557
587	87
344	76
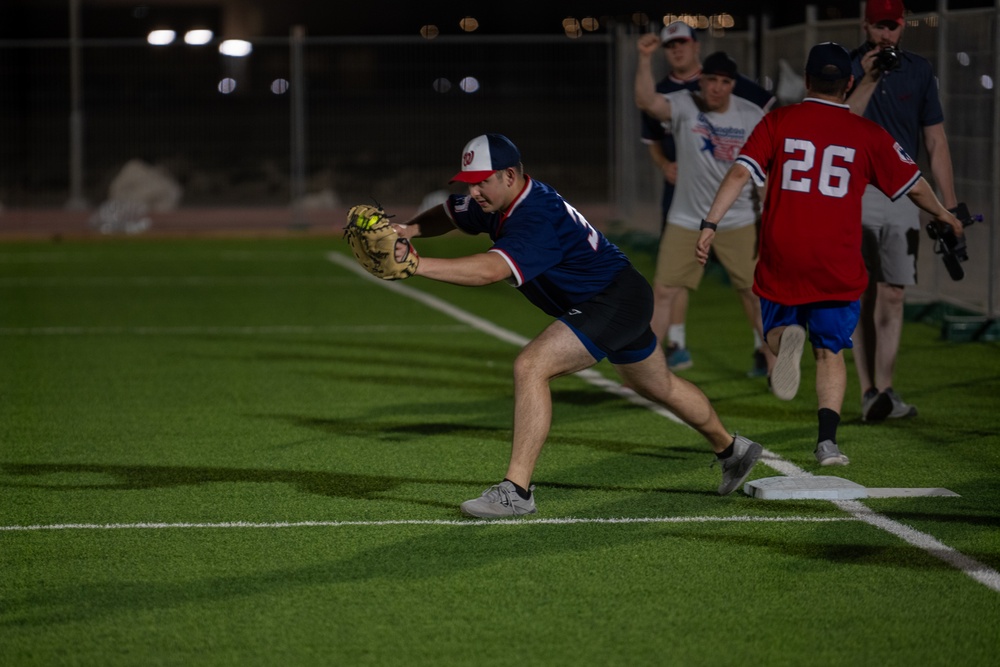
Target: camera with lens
888	58
952	248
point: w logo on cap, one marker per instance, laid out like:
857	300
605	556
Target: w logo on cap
484	156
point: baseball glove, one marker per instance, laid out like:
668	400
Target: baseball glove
377	246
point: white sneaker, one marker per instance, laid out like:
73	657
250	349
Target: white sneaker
787	371
900	409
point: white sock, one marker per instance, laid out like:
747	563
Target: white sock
676	335
757	341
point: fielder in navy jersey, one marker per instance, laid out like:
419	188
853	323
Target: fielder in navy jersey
567	268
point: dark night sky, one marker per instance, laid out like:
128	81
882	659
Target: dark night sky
121	18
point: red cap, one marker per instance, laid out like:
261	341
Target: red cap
877	11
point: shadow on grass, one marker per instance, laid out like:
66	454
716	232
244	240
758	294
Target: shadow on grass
386	430
330	484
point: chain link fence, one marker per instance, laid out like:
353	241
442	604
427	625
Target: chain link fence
310	121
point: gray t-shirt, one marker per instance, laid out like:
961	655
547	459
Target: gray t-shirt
708	143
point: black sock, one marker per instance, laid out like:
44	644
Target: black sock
727	452
828	422
521	491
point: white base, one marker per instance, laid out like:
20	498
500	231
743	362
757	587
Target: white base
828	488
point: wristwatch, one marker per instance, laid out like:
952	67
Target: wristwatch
705	224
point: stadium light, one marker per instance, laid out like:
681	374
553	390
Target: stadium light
469	84
161	37
198	36
237	48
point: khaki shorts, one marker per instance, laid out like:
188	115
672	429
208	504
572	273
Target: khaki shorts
676	265
890	237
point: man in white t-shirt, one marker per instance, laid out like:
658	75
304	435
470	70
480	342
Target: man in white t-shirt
709	129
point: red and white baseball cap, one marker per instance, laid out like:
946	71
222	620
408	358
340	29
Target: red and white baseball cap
677	30
486	155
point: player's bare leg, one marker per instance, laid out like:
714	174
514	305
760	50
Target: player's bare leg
831	379
650	379
831	383
555	352
737	454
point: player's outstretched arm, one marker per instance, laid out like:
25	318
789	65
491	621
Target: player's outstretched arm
483	268
435	221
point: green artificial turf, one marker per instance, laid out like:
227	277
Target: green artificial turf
232	452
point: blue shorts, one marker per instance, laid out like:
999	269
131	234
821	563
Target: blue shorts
829	323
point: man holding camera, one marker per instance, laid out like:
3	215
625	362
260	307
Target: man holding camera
896	89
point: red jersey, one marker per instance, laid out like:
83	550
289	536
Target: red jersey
819	157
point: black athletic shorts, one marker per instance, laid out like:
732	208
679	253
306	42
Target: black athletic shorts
615	322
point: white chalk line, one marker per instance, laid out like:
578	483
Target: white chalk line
228	331
422	522
94	257
965	564
170	281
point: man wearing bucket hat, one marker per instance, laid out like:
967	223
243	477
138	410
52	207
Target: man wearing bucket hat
602	306
819	158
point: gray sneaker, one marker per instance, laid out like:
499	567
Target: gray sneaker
500	500
787	373
900	410
737	467
828	454
875	406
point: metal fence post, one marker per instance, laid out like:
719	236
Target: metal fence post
991	289
298	128
76	198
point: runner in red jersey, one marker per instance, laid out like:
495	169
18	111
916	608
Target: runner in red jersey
817	158
821	158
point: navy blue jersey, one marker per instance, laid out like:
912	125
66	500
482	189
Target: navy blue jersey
557	258
905	100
